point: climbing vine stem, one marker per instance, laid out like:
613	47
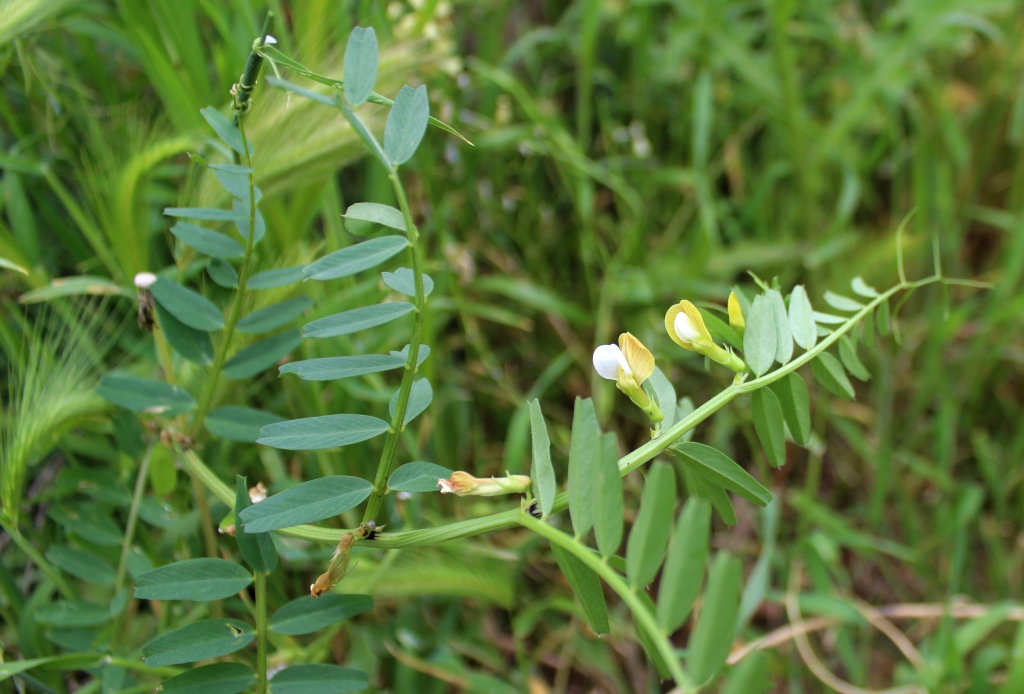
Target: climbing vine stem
387	458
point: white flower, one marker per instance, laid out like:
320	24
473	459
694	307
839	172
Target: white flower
608	359
269	41
629	364
144	280
685	329
445	485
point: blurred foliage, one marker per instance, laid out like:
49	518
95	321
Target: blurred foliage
628	154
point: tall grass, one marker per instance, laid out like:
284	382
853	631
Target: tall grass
51	387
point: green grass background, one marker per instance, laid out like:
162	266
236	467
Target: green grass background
627	155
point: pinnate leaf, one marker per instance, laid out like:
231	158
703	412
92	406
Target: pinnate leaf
608	500
218	678
420	397
315	678
363	217
260	356
791	392
406	124
769	425
144	395
403	281
225	129
278	277
209	638
842	303
236	423
209	214
861	287
315	433
760	339
586	586
353	259
684	566
830	374
272	317
72	613
211	243
648	538
191	308
720	470
360	67
192	579
542	471
223	273
417	477
357	319
783	333
801	318
82	564
307	502
584	449
191	344
331	368
712	638
308	614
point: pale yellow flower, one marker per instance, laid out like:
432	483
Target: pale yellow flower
629	364
685	326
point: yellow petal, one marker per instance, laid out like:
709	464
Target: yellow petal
670	325
639	358
736	313
698	320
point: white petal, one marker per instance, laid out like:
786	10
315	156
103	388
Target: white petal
270	41
144	279
685	328
607	360
445	485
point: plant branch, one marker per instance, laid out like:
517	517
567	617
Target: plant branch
260	580
507	519
129	534
234	313
387	458
640	613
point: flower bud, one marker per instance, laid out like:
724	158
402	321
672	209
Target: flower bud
736	315
464	484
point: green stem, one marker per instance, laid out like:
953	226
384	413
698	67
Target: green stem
163	353
261	632
234	313
126	543
640	613
39	560
508	519
387	458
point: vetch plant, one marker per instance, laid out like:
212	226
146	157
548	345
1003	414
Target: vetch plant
765	343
